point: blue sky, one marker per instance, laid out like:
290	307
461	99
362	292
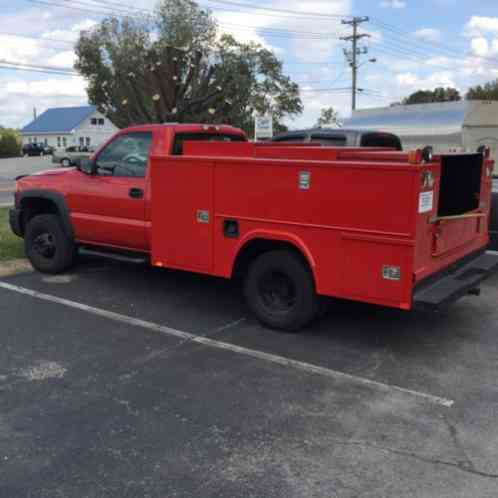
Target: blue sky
416	44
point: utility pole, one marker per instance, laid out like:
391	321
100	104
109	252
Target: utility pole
352	55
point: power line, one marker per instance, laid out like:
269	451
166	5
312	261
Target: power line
281	11
20	67
39	66
406	38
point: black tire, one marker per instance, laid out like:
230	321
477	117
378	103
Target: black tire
280	291
65	163
47	246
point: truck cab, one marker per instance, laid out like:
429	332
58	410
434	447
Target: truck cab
105	202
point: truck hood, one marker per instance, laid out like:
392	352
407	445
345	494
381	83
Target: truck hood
53	172
51	178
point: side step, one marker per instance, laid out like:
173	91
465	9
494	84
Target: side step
452	285
123	258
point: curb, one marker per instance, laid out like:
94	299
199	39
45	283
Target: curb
14	266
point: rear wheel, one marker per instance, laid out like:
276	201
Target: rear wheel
65	163
280	291
47	246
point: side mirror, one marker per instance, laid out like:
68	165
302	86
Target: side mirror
86	166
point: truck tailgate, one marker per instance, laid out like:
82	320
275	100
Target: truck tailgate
454	224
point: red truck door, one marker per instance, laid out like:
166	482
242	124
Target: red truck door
109	207
182	213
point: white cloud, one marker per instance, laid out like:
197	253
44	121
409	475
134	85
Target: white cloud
428	34
478	26
66	87
18	97
16	49
393	4
65	59
258	25
479	46
411	81
71	34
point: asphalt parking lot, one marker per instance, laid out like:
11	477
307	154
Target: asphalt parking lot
15	166
128	381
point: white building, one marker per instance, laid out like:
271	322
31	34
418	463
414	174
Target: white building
446	126
65	126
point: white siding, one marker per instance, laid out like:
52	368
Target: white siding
95	132
51	139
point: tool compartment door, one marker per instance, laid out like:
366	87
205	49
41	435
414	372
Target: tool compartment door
182	213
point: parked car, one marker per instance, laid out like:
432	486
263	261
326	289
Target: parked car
341	137
71	156
36	149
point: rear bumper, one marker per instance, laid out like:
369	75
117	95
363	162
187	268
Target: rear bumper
455	282
15	216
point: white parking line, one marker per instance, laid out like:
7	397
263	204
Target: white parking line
279	360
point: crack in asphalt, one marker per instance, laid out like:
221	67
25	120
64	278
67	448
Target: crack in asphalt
467	467
459	445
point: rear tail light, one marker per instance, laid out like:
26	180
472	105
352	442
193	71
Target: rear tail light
415	156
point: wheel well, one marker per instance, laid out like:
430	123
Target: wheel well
256	247
34	206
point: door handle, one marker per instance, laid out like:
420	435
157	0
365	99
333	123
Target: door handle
136	193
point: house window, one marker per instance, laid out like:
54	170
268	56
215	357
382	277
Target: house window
30	139
101	121
82	141
58	141
94	121
87	141
36	140
64	141
45	141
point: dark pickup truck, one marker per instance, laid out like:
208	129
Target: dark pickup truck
341	137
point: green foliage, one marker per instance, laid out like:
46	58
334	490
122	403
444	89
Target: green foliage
428	96
11	246
489	91
10	143
173	66
328	117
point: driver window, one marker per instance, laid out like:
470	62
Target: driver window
127	155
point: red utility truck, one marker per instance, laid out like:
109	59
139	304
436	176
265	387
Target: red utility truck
392	228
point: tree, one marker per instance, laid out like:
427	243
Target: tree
173	66
488	91
328	117
428	96
10	143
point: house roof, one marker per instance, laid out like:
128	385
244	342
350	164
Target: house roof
59	119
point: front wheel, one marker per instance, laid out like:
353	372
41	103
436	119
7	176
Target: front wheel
280	291
65	163
47	246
